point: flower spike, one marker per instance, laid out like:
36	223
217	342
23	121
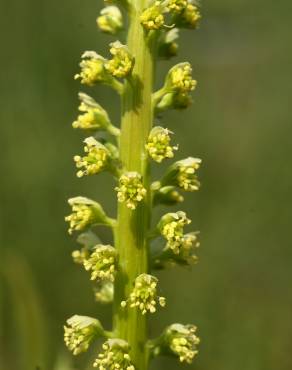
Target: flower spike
158	144
80	332
130	190
102	262
115	355
110	20
144	295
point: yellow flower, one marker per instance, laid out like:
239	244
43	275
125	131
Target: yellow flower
144	295
122	63
158	144
130	190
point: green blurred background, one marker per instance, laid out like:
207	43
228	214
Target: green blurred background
239	294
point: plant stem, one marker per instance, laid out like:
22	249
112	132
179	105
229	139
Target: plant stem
132	226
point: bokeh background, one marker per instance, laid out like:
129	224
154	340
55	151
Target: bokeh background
239	294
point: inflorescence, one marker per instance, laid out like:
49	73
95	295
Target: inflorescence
161	21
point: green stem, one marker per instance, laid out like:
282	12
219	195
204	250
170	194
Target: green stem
132	226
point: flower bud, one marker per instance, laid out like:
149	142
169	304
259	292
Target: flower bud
168	46
104	291
94	117
183	174
144	295
171	227
158	144
182	341
122	63
179	78
80	332
96	159
85	213
110	20
130	190
174	100
101	262
167	195
115	355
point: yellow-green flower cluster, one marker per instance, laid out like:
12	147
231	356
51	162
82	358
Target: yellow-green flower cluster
96	158
92	69
186	177
93	116
180	78
115	356
177	5
79	256
110	20
130	190
190	15
144	295
182	341
171	227
158	144
122	63
80	332
85	212
183	174
102	262
152	18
